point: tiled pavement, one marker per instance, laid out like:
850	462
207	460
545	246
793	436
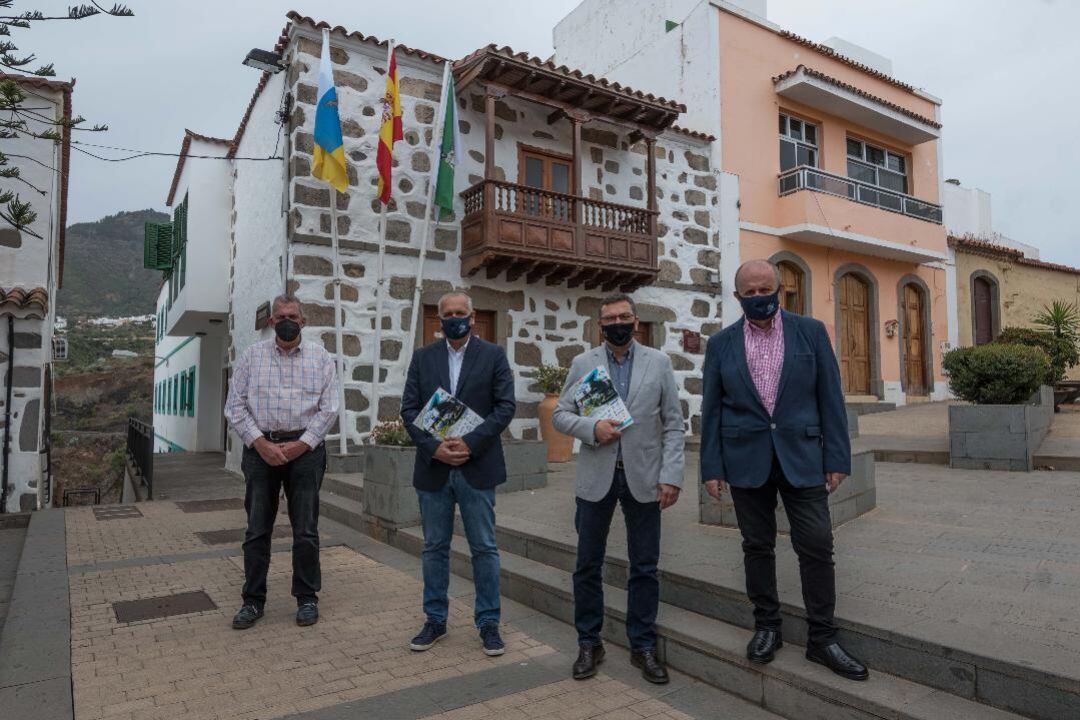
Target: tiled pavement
353	664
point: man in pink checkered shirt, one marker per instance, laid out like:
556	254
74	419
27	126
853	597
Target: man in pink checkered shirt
282	400
773	423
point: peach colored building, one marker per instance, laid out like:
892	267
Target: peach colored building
829	166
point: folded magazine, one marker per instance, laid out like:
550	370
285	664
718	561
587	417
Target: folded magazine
597	398
445	416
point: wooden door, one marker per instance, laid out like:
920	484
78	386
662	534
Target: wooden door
982	310
914	340
483	328
546	171
854	298
792	291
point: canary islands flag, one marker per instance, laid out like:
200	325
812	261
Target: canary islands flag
329	161
390	131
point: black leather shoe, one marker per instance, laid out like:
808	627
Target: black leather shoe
763	646
651	667
307	614
246	617
836	659
589	657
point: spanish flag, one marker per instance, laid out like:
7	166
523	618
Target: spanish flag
390	131
329	160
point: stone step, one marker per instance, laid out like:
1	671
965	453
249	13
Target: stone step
869	405
349	463
348	485
714	652
341	509
964	674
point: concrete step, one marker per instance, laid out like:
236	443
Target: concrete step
341	509
990	680
714	652
351	462
348	485
868	405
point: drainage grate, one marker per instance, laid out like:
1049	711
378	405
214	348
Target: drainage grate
117	512
128	611
234	537
200	506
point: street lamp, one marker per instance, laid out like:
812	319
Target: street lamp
264	60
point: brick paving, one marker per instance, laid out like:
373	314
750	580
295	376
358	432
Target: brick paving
196	667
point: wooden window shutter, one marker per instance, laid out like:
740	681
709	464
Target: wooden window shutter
157	246
191	393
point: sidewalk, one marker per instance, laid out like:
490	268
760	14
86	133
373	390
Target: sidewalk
355	663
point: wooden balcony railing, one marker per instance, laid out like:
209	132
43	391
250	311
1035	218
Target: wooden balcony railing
559	237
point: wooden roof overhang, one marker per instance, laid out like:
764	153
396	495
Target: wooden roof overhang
566	90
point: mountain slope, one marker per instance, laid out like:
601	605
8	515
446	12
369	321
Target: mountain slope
103	267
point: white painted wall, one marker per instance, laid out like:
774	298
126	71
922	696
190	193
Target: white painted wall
858	53
969	211
202	304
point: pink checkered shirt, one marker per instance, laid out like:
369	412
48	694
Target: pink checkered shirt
765	356
272	389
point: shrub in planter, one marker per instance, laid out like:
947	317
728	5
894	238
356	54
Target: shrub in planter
391	433
550	379
1060	350
996	374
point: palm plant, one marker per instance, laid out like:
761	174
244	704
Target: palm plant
1060	318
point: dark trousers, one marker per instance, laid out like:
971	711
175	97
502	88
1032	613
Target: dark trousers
811	536
302	479
593	520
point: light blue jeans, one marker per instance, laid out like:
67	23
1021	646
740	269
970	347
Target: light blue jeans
478	515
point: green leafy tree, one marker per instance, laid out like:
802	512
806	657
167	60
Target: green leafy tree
1061	351
22	119
1060	318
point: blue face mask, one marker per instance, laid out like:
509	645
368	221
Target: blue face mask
760	307
455	328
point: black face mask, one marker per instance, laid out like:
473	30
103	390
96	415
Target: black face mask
455	328
618	334
760	307
287	330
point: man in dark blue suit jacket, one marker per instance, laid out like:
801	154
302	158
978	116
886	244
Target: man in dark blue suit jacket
774	421
462	471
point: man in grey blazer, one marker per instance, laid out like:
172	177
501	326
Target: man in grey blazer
640	468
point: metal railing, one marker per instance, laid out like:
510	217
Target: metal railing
140	452
809	178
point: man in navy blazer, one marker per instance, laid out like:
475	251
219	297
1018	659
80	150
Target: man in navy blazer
462	471
774	422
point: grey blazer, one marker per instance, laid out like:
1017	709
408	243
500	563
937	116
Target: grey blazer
652	448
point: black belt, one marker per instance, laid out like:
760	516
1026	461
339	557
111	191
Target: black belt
282	435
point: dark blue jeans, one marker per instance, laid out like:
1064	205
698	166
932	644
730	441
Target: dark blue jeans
478	516
593	520
302	479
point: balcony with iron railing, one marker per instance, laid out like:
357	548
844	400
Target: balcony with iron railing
558	237
823	208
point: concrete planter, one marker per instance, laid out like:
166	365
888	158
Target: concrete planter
1000	437
389	497
856	496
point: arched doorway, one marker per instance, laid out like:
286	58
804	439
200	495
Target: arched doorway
854	313
792	288
914	337
984	308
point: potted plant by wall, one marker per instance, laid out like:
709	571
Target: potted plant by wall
1060	349
1011	406
389	498
1062	320
550	380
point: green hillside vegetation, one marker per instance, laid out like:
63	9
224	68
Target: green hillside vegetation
103	268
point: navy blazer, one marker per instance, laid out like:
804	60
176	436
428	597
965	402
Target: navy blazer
486	385
808	429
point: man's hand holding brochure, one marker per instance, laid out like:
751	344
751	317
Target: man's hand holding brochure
449	419
596	397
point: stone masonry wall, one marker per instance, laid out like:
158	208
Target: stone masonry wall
537	323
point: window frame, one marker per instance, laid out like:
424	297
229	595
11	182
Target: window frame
786	136
887	152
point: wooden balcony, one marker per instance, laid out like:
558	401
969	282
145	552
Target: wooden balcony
540	234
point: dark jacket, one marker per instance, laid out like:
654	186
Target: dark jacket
486	385
808	430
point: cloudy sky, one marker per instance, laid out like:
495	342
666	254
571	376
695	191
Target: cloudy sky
1003	67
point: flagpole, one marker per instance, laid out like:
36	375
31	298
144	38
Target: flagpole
440	119
379	280
342	444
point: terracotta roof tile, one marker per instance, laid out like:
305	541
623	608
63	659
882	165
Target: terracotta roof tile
826	50
697	134
858	91
299	19
185	146
20	298
989	249
65	88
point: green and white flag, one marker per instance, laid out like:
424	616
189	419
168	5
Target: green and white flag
449	153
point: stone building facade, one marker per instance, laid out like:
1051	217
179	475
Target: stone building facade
279	230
